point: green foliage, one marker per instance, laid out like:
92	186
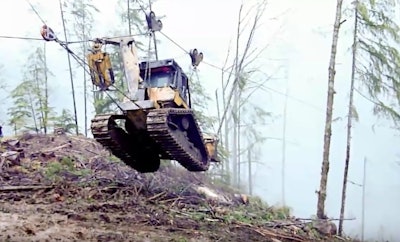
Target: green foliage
65	121
179	239
114	159
20	112
135	17
82	12
102	103
378	59
66	164
31	108
256	212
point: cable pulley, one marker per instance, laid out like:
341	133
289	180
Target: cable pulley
196	57
47	33
153	24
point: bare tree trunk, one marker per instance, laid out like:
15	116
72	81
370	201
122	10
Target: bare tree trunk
32	107
129	18
235	138
235	87
46	91
39	95
85	96
231	103
226	133
219	135
70	72
286	77
249	170
363	200
225	121
349	120
329	111
238	140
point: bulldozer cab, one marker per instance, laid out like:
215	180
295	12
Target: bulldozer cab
166	74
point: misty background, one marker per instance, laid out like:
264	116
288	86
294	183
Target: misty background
298	35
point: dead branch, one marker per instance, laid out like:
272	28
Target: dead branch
55	148
95	153
274	225
1	163
266	232
180	212
94	158
23	188
84	140
173	200
161	194
329	219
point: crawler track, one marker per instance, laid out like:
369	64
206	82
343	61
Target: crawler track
167	139
101	127
132	152
185	147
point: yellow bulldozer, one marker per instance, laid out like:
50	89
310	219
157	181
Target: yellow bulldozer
155	120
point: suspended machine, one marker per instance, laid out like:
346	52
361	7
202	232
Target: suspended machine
155	121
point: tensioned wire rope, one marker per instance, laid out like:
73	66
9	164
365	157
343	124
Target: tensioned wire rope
83	63
79	60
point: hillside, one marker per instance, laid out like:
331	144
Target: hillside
68	188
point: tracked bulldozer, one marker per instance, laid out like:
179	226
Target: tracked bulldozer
155	120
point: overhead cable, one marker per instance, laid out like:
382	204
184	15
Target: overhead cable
34	10
18	37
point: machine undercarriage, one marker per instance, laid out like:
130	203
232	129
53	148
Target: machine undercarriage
168	133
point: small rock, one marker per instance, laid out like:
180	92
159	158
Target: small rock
325	227
28	230
242	198
59	131
105	218
75	216
12	156
294	229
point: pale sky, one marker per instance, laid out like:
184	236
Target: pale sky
297	32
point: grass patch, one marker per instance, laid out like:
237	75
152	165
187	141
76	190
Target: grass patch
66	164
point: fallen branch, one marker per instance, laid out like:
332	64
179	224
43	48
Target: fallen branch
181	213
1	163
339	238
23	188
95	153
85	140
171	200
55	148
161	194
328	219
266	232
274	225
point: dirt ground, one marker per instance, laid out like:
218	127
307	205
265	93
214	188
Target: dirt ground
68	188
107	221
45	218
